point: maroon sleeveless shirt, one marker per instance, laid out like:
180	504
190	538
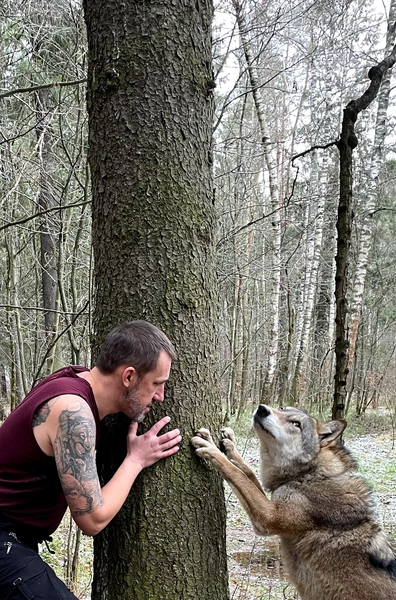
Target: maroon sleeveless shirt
31	494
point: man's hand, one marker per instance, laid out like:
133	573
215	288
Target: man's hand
148	448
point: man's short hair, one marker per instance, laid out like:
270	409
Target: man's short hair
134	343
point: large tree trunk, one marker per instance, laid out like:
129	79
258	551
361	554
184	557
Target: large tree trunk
150	110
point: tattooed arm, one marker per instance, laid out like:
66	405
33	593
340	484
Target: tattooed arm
69	424
74	450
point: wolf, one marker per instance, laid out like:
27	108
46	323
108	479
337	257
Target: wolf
323	512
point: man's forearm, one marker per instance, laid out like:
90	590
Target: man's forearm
113	496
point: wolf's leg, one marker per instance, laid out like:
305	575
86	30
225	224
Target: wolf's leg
229	443
261	511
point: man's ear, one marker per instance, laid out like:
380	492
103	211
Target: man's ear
128	376
330	431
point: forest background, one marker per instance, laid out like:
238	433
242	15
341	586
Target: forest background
283	73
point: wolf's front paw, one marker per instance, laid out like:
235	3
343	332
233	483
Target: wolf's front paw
228	434
202	438
228	442
204	444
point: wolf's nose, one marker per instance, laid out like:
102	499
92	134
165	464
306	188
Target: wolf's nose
262	411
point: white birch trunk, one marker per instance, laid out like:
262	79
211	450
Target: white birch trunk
371	186
313	252
270	164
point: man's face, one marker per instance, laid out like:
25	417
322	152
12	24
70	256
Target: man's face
140	397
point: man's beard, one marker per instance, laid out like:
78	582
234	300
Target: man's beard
133	408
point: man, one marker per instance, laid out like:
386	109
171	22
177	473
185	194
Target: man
47	452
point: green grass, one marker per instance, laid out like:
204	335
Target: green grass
381	474
371	422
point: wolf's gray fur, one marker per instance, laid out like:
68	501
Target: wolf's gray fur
332	546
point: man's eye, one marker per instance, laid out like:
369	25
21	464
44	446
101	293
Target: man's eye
296	424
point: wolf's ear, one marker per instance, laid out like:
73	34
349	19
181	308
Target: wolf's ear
330	431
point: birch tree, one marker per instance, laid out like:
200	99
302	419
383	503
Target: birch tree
271	174
346	144
369	192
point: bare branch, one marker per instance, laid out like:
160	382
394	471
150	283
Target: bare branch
36	308
44	86
41	213
312	149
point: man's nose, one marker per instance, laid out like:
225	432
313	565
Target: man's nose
160	393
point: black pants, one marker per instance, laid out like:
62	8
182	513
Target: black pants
24	575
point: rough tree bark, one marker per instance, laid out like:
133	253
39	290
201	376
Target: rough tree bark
150	117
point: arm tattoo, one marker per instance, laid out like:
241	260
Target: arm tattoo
41	414
75	458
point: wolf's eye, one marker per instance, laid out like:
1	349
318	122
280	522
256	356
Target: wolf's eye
296	424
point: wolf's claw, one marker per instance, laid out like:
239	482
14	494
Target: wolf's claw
228	433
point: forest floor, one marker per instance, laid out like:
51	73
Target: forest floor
255	568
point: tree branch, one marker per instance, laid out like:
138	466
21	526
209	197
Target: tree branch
44	86
312	148
36	308
41	213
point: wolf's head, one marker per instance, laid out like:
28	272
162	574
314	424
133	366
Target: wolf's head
291	441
